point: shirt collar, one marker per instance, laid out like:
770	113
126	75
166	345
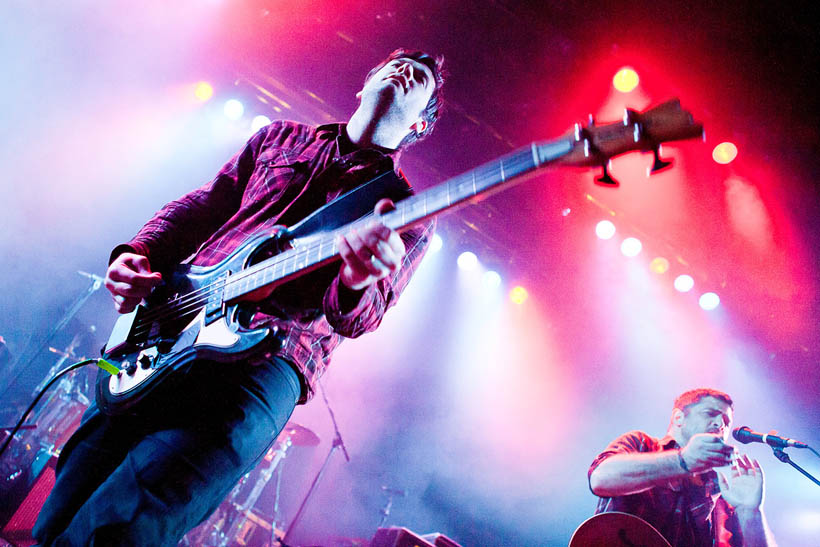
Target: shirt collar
345	146
668	442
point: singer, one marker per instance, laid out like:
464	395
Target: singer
672	482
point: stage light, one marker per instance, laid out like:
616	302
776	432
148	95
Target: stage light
625	80
631	246
519	294
605	229
259	122
724	153
684	283
203	91
659	265
467	261
709	301
233	109
436	243
491	279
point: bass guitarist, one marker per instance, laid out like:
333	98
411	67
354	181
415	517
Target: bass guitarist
147	476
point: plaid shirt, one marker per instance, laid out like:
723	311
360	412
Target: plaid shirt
285	172
687	512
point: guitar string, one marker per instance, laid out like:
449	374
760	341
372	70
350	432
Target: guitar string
196	296
519	159
194	300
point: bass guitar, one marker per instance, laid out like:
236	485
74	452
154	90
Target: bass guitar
203	311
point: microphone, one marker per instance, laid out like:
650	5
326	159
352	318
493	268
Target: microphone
746	435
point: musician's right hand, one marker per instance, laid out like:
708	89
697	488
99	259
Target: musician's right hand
705	451
129	279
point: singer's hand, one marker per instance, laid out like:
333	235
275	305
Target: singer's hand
129	279
743	486
705	451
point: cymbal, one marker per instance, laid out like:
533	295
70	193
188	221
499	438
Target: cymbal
299	435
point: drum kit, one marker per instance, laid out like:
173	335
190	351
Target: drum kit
240	520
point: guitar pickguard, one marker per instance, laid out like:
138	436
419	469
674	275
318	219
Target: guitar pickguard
218	340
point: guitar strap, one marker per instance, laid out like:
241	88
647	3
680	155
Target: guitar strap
353	205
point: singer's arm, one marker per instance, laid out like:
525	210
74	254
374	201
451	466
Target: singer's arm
621	474
624	474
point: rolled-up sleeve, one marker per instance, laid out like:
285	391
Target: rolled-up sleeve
633	441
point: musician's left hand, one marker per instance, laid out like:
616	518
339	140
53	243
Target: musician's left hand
743	486
371	253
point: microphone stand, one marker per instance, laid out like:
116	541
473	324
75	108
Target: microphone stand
781	455
337	443
96	283
385	512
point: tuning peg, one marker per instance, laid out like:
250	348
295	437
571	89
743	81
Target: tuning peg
630	116
606	179
659	163
590	120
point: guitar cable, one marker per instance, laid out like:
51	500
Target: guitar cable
102	363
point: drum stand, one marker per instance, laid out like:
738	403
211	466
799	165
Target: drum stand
337	443
243	511
238	521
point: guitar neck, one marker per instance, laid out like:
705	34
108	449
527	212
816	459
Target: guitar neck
313	252
479	182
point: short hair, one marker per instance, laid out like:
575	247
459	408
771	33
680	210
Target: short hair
694	396
434	107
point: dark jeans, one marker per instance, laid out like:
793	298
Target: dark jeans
147	479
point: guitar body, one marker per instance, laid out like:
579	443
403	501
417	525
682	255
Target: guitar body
617	530
147	347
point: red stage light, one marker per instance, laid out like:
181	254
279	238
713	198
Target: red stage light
625	80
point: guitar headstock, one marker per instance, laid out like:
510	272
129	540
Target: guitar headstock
646	131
